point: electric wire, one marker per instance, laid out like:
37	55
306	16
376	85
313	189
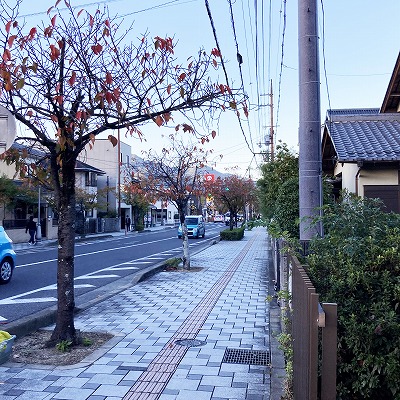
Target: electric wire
281	68
223	65
240	61
323	55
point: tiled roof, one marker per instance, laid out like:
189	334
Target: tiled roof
373	137
330	114
81	166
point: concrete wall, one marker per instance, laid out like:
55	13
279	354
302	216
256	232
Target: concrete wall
354	178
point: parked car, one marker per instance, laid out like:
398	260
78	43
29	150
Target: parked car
219	218
7	257
195	226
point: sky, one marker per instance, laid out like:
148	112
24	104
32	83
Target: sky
359	45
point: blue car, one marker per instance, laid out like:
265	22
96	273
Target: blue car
195	226
7	257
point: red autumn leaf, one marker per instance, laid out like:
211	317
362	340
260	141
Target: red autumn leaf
72	80
169	89
32	33
91	22
53	20
109	78
113	140
6	55
181	77
213	134
148	101
8	26
246	111
48	31
49	10
159	121
215	63
29	113
222	88
215	52
78	114
109	97
80	12
107	22
54	52
117	93
59	99
97	48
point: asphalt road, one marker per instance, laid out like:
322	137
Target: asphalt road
102	267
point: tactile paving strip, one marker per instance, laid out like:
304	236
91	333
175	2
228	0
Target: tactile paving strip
152	382
248	357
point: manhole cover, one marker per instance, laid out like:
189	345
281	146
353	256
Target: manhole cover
190	342
248	357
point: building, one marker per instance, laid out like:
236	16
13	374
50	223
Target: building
361	148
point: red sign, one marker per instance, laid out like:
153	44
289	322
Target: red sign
209	177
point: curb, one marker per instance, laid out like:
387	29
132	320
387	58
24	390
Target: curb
47	317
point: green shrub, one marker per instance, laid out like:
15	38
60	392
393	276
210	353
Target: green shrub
357	265
234	234
139	227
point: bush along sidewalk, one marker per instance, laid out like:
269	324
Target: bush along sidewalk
357	265
234	234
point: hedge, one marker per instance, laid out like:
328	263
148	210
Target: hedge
234	234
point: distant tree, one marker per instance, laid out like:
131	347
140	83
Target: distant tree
234	192
136	196
274	174
175	175
8	190
77	77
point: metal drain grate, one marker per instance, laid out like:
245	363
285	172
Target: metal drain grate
190	342
245	356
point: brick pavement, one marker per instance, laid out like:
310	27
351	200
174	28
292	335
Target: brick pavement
219	305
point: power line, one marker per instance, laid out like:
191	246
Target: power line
282	57
323	54
223	66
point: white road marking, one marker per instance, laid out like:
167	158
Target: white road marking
94	252
18	299
97	276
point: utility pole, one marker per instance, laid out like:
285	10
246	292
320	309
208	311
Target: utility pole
310	182
271	129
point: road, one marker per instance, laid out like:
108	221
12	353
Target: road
102	266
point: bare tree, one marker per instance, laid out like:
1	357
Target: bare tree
76	77
175	175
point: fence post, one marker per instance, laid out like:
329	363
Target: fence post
329	352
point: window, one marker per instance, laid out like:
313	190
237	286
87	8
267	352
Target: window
90	179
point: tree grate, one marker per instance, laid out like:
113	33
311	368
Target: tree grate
245	356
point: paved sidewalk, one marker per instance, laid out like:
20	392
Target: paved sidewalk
195	335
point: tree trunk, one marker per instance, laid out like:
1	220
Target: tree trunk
185	238
65	329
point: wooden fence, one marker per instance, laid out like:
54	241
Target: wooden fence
309	320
